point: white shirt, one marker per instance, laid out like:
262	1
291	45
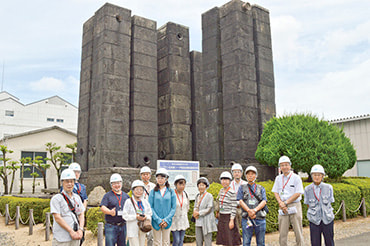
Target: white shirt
129	214
58	205
150	186
235	186
288	185
180	220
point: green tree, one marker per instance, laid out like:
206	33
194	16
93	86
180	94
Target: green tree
307	141
57	158
4	168
23	161
40	164
73	148
13	167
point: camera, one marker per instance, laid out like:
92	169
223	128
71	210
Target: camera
75	226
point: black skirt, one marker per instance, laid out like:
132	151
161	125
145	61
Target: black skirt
225	236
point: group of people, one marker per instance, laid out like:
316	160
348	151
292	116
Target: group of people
238	203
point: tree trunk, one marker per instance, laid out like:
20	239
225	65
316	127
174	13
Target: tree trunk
5	183
44	177
22	170
11	183
33	185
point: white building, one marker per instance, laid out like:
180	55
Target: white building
358	130
16	117
32	144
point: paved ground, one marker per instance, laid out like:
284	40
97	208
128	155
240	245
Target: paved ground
359	240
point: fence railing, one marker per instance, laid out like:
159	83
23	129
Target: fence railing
17	218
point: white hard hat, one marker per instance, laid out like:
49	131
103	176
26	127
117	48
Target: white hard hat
145	169
251	168
137	183
203	180
179	177
67	174
162	171
226	175
115	177
317	169
75	167
237	166
284	159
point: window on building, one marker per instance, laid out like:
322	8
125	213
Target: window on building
68	158
50	119
9	113
60	120
28	169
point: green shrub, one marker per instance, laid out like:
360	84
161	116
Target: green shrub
93	217
25	204
364	185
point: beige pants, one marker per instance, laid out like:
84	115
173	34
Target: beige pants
161	237
69	243
137	241
296	221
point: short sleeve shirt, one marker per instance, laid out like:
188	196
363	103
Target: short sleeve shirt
112	200
80	189
286	186
58	205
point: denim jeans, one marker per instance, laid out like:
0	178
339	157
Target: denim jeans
259	227
178	238
115	235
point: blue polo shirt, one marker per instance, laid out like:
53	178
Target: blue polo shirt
79	189
112	200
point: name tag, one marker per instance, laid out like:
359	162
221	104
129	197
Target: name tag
120	212
222	209
252	202
138	211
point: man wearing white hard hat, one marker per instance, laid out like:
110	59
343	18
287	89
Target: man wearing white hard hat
288	190
146	174
112	206
252	198
68	213
237	172
136	209
79	189
319	196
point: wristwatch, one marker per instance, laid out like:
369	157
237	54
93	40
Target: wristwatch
80	228
255	210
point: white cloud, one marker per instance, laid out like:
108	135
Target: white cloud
50	84
336	94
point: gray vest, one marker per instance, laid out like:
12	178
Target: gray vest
247	199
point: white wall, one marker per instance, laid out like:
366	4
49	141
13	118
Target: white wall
34	115
36	143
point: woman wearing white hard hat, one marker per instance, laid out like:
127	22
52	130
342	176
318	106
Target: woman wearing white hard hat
112	206
205	222
137	209
146	174
68	212
162	199
252	198
180	221
228	229
319	196
79	189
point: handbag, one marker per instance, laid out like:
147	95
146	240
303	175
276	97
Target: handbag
265	208
145	225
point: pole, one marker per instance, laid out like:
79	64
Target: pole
7	215
17	215
30	223
344	211
100	234
47	225
364	207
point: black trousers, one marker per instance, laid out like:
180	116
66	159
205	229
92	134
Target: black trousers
317	230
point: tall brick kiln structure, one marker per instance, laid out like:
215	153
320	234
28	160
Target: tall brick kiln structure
144	95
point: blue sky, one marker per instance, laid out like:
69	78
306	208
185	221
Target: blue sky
321	49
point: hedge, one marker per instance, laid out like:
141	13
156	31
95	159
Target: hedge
93	217
25	204
364	185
